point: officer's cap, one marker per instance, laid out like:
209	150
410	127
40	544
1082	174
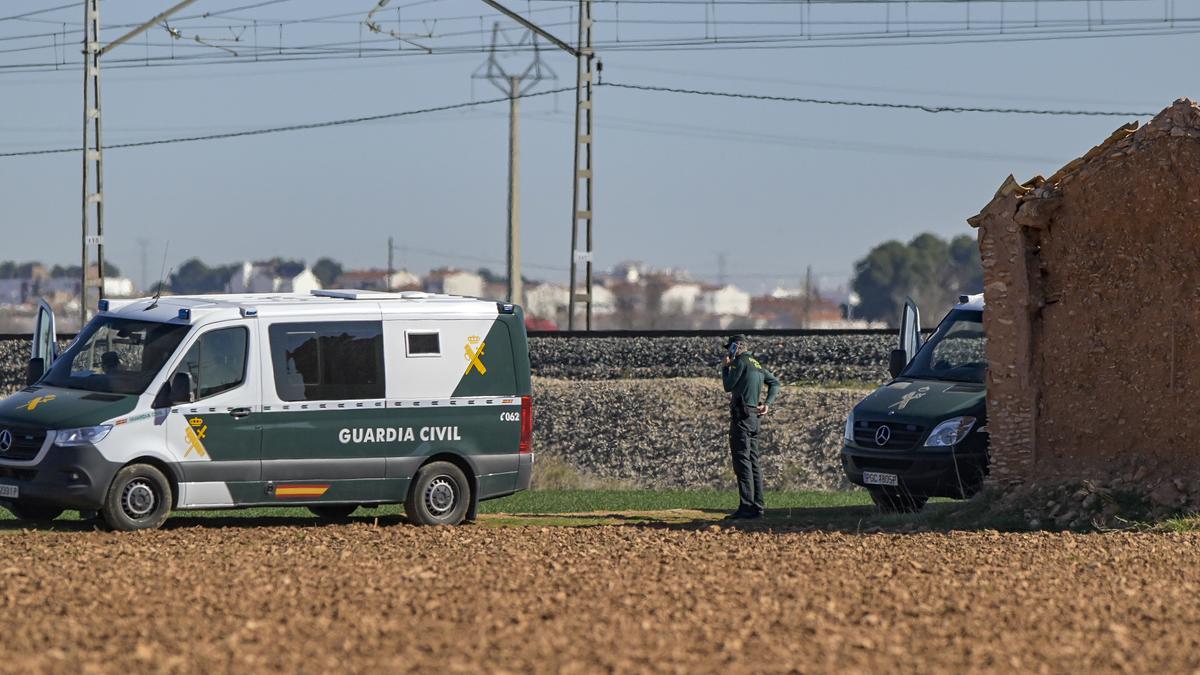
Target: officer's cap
735	338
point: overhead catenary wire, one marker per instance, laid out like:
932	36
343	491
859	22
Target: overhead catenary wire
912	31
290	127
927	108
618	85
878	104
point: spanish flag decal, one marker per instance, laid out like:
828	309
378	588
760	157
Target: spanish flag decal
293	491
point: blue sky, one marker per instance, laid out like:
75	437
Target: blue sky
679	179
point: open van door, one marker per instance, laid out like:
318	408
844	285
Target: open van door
45	344
910	337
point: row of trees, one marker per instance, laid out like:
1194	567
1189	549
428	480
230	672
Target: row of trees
10	269
932	270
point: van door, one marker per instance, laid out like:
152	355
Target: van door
45	340
218	438
326	424
910	329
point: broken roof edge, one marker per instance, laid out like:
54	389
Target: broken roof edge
1180	119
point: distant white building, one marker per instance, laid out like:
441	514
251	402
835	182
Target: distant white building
259	277
118	287
681	299
545	301
604	301
725	301
377	280
16	291
454	282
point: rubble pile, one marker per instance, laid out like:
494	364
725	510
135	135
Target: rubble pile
1123	502
1091	279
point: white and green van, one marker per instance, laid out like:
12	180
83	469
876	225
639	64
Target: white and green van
332	400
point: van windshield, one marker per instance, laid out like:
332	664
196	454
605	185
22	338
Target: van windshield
116	356
956	351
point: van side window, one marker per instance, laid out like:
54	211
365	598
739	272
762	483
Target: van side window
327	360
423	343
217	361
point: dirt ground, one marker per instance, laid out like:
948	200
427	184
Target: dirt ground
229	595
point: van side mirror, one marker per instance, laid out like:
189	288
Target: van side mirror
181	389
34	370
897	361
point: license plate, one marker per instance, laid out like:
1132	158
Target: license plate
873	478
8	491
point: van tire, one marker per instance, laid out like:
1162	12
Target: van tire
439	495
896	501
139	498
35	513
333	511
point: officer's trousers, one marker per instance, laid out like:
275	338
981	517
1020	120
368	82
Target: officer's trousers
743	445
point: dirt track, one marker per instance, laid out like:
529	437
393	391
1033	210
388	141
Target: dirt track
360	598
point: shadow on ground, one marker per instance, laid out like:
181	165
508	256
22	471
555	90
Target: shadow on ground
969	515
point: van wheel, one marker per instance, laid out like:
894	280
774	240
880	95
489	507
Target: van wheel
333	511
896	501
439	495
138	499
35	513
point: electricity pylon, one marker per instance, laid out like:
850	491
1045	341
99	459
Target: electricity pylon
514	87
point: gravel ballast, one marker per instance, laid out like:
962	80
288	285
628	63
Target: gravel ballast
650	412
673	433
805	358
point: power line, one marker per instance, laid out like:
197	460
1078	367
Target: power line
619	85
876	104
35	12
291	127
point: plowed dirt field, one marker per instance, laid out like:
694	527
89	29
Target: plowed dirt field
238	596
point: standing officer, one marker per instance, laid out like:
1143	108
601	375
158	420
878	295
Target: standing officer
744	377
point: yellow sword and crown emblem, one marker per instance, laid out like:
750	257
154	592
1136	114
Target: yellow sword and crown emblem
34	402
194	434
473	356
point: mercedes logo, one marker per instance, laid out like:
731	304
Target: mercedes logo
6	440
882	435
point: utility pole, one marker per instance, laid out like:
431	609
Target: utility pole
514	86
143	245
387	283
93	156
583	54
93	161
808	296
581	198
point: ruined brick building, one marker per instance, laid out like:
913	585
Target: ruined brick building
1092	284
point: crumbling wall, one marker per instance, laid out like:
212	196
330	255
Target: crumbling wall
1091	284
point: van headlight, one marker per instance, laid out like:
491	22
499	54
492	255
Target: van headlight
82	435
950	432
850	427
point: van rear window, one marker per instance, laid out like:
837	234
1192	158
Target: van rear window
327	360
423	344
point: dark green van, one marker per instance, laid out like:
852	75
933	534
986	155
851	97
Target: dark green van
924	434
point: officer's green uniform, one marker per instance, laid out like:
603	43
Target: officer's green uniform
744	378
